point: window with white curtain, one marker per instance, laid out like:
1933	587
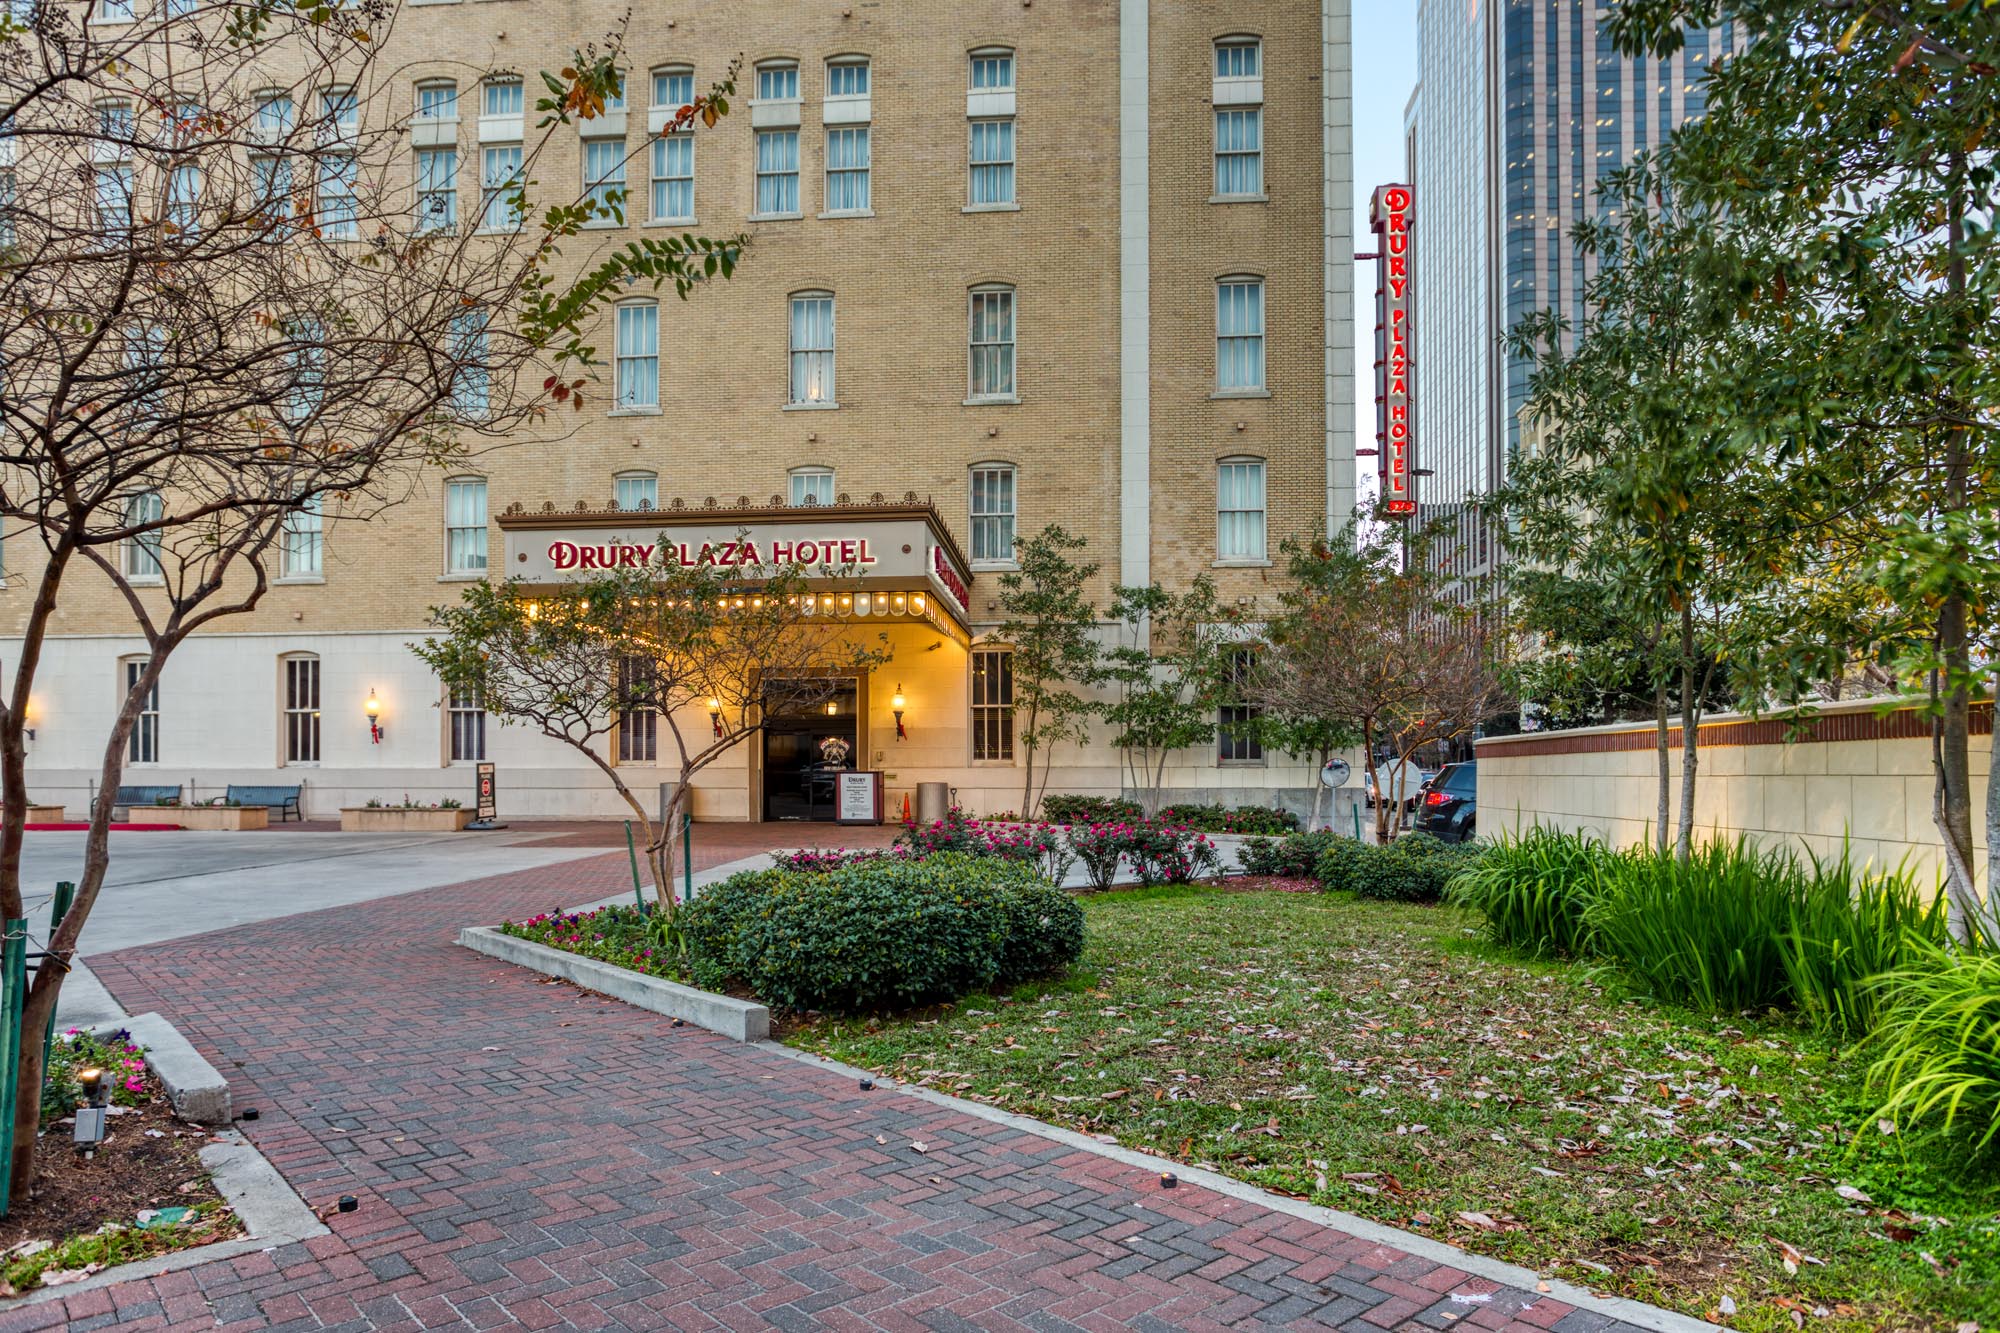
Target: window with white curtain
1239	152
992	162
465	525
1239	509
812	348
142	551
777	82
471	380
143	745
673	87
777	172
636	356
437	101
992	342
437	189
847	78
500	186
112	153
604	179
307	357
847	168
1239	335
673	178
301	542
992	70
637	491
1239	58
993	513
502	97
812	486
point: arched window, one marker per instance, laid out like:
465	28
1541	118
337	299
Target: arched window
637	490
1238	97
811	381
141	551
991	343
636	354
465	525
299	717
1239	334
992	513
812	485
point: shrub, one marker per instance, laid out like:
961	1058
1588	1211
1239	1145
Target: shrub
1101	848
1167	854
883	934
617	935
1848	928
1293	856
1335	867
1416	868
818	860
1064	809
74	1051
1939	1065
1533	889
1243	819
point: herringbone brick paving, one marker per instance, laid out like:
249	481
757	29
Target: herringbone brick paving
526	1154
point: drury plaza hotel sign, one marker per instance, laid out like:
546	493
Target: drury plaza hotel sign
879	562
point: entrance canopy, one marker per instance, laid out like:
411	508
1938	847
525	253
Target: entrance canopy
879	562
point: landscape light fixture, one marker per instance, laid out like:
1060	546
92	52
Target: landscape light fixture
373	708
91	1115
896	706
715	716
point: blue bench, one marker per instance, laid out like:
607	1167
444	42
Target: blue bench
285	800
131	796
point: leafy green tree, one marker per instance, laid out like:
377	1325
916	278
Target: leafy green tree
1847	158
1052	628
1171	669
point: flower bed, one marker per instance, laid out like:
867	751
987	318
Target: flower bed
443	817
232	818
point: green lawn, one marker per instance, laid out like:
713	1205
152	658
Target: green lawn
1384	1060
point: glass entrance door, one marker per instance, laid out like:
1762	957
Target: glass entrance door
804	754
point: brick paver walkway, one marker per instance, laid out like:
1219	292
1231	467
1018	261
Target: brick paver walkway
526	1154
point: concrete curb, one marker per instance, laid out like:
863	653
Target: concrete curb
199	1092
739	1020
1424	1247
269	1209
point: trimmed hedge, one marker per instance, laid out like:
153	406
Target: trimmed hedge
1291	857
1220	819
1064	809
882	934
1413	869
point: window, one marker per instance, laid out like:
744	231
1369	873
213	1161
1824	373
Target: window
993	513
777	172
992	162
673	178
812	348
300	542
992	342
614	96
812	486
499	187
307	362
439	101
142	550
847	155
184	199
1239	58
437	189
114	11
993	705
341	113
143	745
470	380
638	723
502	97
637	490
272	179
637	356
146	357
465	713
604	178
1239	335
113	153
1236	740
465	526
1239	509
301	710
1239	152
847	78
338	211
673	88
274	118
777	83
992	71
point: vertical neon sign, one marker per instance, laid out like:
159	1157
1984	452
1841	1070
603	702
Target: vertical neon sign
1389	217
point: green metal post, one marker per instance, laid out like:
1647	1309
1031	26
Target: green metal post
687	856
1357	823
58	909
13	995
631	852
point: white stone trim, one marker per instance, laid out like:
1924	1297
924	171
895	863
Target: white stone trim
1135	295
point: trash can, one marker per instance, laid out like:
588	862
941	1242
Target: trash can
933	801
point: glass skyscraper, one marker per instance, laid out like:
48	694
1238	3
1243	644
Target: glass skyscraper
1522	105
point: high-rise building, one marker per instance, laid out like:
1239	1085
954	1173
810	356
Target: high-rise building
1524	106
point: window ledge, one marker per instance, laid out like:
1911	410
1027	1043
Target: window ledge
991	208
993	763
671	222
298	580
601	224
1242	763
775	217
633	412
1240	393
1240	564
145	580
992	400
810	407
463	577
1239	199
485	231
995	566
847	213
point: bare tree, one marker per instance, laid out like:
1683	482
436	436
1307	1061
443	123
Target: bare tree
229	319
708	655
1369	642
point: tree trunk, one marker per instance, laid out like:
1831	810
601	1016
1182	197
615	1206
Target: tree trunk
1690	736
1319	787
1028	778
1663	831
1993	826
1952	747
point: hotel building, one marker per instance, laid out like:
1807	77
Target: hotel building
1010	265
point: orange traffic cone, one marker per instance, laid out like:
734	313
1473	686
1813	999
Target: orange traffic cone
906	807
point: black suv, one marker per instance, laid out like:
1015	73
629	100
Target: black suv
1451	803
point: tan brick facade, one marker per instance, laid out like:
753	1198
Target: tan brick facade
900	281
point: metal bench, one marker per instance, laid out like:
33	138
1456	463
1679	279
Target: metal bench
285	800
127	797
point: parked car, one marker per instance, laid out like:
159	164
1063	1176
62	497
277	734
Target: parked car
1414	782
1450	809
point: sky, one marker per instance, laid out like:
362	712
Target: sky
1385	71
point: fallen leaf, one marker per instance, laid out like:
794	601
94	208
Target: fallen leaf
920	1147
1480	1220
1851	1194
1790	1255
1727	1305
56	1277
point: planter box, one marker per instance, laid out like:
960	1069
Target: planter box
365	819
741	1020
46	814
234	818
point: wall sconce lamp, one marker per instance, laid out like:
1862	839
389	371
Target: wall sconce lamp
832	708
715	716
373	708
896	706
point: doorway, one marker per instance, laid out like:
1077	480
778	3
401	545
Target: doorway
804	754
